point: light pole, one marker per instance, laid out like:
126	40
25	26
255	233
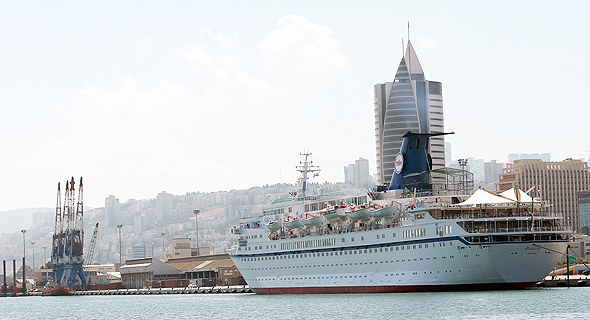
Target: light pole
24	261
163	255
197	230
33	243
24	244
463	163
44	255
120	253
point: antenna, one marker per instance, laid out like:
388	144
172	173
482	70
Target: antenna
403	51
408	30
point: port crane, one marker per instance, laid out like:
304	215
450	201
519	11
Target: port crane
68	238
92	245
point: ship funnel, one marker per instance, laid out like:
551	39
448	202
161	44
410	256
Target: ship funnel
413	163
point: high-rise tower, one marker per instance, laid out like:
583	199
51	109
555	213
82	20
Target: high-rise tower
409	103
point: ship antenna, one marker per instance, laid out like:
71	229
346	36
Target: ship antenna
305	168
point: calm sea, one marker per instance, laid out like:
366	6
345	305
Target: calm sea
558	303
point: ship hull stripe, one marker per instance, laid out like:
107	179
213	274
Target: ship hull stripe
396	289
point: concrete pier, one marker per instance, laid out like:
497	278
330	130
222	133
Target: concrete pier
562	281
218	289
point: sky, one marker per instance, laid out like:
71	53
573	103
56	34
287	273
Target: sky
139	97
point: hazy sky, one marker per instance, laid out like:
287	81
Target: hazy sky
140	97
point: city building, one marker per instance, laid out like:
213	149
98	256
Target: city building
111	211
492	170
584	211
164	205
138	252
349	174
543	156
358	173
555	182
409	103
181	248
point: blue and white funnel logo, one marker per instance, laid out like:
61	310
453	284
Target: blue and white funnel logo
399	163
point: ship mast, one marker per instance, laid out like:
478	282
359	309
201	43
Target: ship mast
306	167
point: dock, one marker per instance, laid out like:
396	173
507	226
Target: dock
217	289
575	280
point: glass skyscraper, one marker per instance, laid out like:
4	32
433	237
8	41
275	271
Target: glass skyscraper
409	103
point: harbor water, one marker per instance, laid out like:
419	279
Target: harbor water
553	303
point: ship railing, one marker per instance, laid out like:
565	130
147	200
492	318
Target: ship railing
482	213
514	229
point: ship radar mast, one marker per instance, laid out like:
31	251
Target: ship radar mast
306	167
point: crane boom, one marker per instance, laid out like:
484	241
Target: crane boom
92	244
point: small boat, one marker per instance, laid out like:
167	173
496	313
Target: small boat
379	212
359	213
292	223
313	221
56	291
274	225
334	213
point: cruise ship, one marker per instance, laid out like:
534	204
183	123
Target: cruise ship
409	236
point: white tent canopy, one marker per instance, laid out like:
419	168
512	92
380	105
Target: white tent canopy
518	195
483	196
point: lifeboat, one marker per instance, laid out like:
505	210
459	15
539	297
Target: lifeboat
334	213
292	223
274	225
313	221
379	212
359	213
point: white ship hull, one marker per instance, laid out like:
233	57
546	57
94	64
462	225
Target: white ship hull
386	260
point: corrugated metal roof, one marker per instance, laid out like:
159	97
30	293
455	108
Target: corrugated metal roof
208	264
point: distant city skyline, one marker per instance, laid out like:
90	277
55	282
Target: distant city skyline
225	95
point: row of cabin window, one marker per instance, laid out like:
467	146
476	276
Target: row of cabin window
347	252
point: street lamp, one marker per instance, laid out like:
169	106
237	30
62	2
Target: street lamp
24	245
197	229
24	261
33	243
463	163
44	254
163	255
120	253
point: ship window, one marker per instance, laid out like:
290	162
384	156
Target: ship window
414	247
402	247
386	249
352	239
377	236
408	248
394	234
383	236
362	238
343	240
